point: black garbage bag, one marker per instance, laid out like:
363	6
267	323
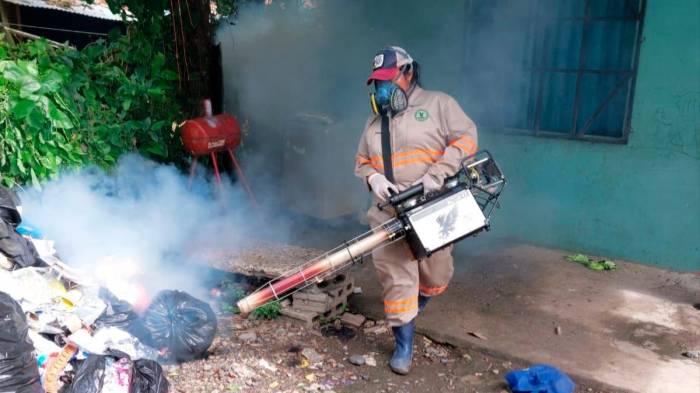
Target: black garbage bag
8	207
120	314
17	248
89	377
148	377
184	325
18	369
93	373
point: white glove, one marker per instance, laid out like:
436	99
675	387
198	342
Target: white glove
430	184
381	186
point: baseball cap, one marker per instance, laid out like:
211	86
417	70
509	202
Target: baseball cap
387	63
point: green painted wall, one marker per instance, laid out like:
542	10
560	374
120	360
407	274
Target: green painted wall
639	201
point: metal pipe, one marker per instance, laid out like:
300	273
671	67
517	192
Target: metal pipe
334	260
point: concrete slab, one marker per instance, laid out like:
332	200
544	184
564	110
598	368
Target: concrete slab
625	328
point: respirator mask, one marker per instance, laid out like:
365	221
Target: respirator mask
389	96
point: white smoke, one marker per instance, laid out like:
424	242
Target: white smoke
137	223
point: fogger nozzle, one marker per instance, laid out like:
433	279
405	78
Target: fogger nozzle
332	261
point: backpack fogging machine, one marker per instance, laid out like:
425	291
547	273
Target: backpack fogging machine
430	222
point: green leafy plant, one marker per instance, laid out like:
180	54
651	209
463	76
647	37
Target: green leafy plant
231	292
603	264
268	311
62	108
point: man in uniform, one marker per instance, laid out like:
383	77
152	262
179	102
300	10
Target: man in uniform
414	136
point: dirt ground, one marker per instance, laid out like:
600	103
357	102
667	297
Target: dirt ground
283	355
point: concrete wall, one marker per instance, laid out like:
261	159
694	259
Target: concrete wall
638	201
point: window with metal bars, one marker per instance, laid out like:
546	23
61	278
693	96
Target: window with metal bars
560	68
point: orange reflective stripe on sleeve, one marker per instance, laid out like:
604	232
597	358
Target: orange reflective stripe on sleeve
363	160
431	291
402	305
465	143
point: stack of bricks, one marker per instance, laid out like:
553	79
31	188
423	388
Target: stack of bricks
321	302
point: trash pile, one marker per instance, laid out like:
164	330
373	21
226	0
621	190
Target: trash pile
61	332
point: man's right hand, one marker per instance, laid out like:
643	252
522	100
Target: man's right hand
381	186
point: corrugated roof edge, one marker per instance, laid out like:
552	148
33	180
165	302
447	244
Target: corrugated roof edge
92	10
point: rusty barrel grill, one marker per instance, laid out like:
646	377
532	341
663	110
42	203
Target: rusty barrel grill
461	208
209	135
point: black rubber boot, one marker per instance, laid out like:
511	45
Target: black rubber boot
422	301
400	362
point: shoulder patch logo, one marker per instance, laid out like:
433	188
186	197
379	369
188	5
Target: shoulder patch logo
421	115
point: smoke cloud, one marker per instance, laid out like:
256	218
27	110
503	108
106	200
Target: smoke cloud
138	223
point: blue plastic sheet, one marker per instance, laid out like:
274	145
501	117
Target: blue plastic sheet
540	378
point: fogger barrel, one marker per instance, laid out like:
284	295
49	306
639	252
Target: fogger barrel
332	261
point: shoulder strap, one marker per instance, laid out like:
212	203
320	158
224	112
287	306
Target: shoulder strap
386	149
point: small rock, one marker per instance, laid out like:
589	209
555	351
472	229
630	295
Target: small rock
357	290
693	354
495	371
370	361
369	323
467	357
353	320
357	360
312	355
469	379
435	351
557	330
248	337
266	365
377	329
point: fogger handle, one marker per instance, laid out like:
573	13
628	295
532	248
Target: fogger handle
406	194
413	191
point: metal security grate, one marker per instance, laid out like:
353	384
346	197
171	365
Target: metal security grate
559	68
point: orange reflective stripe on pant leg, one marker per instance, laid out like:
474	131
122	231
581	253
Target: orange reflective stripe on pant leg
401	305
431	291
